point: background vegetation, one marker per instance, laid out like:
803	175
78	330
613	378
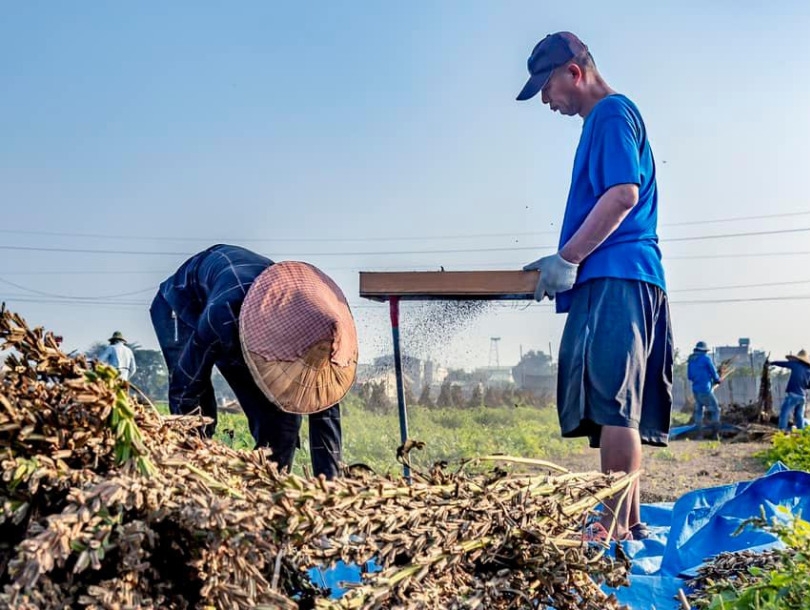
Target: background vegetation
371	438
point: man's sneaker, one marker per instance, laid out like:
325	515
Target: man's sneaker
639	531
596	533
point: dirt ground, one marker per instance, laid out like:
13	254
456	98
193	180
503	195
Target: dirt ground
684	466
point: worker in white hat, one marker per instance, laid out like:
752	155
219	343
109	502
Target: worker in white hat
796	391
281	334
119	355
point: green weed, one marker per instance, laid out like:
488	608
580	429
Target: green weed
449	434
792	449
665	454
784	587
711	446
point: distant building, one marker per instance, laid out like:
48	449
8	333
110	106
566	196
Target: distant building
411	369
415	373
740	356
433	375
535	372
494	376
429	373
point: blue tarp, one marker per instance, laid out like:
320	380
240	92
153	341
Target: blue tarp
685	534
679	431
698	526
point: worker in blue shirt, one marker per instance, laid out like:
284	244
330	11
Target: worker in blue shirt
616	355
282	336
795	392
704	376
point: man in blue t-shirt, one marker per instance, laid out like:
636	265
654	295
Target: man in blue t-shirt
795	392
615	369
700	370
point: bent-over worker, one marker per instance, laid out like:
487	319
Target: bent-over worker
281	334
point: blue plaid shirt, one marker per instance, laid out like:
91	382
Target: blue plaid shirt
206	294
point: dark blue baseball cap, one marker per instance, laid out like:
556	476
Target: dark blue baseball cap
553	51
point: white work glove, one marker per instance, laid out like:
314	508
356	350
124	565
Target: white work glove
556	275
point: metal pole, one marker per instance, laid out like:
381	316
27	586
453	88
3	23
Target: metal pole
393	304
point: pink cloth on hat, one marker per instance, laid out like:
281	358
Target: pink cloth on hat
290	307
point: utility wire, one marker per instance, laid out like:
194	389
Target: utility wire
501	265
13	298
739	255
798	297
735	286
727	235
381	306
92	251
364	239
396	252
83	272
733	219
61	296
507	265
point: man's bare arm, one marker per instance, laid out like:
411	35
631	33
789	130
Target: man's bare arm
605	217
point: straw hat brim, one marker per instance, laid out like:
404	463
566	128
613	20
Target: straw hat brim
306	385
298	338
804	360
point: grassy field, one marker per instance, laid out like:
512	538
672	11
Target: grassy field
448	434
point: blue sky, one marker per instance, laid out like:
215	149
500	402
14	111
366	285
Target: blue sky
372	136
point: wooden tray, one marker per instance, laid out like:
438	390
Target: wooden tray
448	285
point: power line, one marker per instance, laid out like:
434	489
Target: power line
503	265
92	251
746	234
83	272
735	286
44	301
396	252
740	255
733	219
62	296
504	305
802	297
364	239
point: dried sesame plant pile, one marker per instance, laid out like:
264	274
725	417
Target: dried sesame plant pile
106	504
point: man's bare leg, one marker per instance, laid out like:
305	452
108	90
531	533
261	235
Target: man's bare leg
620	451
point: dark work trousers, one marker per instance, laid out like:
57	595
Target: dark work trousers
270	426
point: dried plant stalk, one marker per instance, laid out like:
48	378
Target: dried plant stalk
104	503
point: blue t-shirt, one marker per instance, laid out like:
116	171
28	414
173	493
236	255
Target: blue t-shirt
702	373
613	149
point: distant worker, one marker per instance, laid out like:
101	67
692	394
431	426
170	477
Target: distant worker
281	334
704	376
795	392
118	355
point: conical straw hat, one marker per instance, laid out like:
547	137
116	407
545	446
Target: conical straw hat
801	357
298	337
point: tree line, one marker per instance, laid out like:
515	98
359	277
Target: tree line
152	379
374	396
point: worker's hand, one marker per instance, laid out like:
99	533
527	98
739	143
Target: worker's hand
556	275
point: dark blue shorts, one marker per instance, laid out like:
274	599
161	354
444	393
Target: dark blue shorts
616	359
